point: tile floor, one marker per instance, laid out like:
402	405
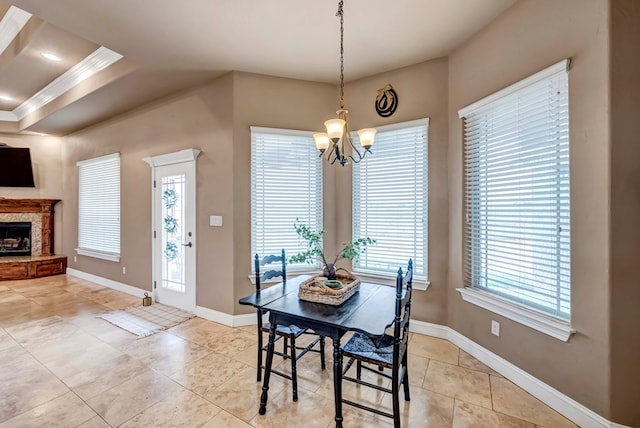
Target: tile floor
60	365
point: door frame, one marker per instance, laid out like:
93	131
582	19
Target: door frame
183	156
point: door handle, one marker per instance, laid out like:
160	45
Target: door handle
188	245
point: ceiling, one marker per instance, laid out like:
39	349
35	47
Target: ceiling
117	55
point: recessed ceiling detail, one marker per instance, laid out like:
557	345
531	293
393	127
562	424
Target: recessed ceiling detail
97	61
175	46
39	63
12	22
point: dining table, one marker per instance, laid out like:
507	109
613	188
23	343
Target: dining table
370	311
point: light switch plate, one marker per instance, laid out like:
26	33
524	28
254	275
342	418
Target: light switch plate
495	328
215	220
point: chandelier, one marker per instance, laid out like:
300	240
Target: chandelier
337	137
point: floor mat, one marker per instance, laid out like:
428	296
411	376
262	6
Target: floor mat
146	320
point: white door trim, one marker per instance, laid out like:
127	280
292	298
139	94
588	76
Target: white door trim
183	156
171	158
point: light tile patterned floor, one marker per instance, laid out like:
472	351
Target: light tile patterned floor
60	365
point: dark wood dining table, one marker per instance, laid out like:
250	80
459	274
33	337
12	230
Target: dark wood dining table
369	311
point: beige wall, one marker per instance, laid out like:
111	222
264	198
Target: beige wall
215	119
598	367
625	212
276	103
528	37
46	160
422	92
199	119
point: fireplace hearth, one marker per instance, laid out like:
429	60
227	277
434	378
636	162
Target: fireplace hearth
15	239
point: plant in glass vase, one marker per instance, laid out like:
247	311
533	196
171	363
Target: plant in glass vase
350	251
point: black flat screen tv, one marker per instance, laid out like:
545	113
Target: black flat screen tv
15	167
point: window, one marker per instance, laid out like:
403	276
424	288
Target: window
516	170
390	200
99	207
286	185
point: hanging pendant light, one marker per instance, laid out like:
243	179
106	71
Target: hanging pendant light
338	137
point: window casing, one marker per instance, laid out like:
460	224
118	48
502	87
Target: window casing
517	206
286	185
390	201
99	207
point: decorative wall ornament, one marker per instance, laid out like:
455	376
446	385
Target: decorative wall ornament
170	224
170	197
386	101
171	251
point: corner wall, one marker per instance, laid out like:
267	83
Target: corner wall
422	92
272	102
528	37
625	211
200	118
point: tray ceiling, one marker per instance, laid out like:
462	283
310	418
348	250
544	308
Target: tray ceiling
115	56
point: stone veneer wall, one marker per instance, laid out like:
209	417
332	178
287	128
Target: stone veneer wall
36	228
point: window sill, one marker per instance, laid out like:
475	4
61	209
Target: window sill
98	255
418	284
290	274
537	321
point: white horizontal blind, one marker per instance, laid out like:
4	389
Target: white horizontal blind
99	206
286	184
390	200
517	228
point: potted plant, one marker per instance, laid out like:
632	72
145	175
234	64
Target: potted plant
350	251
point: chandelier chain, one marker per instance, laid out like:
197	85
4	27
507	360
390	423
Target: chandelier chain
340	13
337	144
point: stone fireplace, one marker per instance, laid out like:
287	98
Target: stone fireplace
38	212
26	239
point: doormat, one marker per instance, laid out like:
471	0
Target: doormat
146	320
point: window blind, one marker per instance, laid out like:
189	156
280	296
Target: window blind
99	207
286	185
390	200
516	166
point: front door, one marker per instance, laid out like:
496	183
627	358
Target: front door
174	233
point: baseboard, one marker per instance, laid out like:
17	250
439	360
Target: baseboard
224	318
553	398
119	286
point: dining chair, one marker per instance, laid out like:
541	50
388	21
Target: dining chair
389	351
289	333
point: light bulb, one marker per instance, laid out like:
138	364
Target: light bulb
366	137
335	127
322	141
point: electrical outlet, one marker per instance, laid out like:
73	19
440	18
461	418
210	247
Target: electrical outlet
495	328
124	270
75	259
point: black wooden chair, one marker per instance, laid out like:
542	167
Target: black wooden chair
288	334
387	352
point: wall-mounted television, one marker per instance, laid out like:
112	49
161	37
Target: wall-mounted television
15	167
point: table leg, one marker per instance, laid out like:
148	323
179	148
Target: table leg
337	380
267	369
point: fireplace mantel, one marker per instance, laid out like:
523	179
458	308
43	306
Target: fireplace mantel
41	207
27	205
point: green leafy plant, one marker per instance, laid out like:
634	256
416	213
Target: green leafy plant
350	251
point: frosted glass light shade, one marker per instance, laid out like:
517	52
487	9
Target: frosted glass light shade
367	135
335	128
322	141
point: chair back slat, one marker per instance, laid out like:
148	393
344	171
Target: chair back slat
271	273
404	286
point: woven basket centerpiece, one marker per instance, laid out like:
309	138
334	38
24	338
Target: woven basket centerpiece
316	289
